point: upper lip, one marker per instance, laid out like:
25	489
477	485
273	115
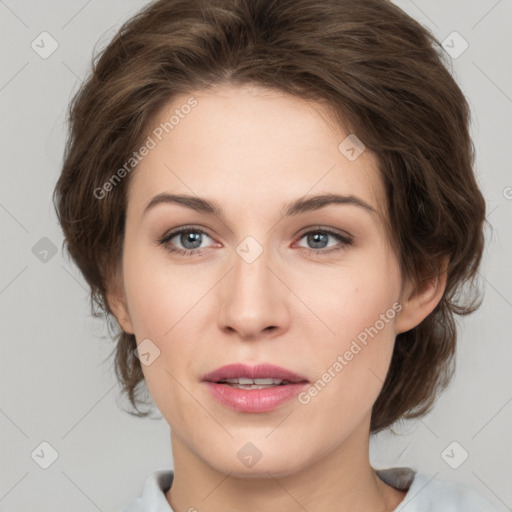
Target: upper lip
260	371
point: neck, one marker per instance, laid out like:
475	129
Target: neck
342	480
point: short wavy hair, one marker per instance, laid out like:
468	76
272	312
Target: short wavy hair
383	76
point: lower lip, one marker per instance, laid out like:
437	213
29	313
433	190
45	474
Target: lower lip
254	400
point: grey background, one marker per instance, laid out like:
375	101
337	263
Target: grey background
56	385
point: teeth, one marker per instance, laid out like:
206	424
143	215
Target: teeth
245	383
252	386
257	382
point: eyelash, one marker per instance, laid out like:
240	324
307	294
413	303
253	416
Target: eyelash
346	241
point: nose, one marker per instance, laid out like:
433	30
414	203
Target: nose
254	299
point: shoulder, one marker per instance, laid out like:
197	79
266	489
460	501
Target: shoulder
152	498
426	492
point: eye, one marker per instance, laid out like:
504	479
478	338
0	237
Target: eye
319	238
189	237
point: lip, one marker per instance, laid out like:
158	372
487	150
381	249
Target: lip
254	400
260	371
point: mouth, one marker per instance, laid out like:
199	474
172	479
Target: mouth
245	383
253	389
262	376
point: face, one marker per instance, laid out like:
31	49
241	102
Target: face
314	290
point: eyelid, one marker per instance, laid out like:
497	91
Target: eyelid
169	235
324	229
344	240
304	231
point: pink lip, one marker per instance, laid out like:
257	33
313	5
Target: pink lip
254	400
260	371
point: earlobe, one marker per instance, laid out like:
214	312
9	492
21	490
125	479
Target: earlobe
420	299
117	303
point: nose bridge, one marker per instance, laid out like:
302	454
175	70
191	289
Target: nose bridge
253	296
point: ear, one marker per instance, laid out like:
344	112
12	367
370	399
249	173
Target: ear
117	303
418	300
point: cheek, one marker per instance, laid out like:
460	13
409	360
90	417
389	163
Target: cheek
159	294
349	298
349	372
359	304
165	303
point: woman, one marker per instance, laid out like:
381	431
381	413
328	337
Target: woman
275	199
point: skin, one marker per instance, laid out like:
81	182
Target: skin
253	150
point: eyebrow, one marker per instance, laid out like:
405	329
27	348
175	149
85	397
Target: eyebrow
302	205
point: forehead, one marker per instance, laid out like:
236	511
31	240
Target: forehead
249	145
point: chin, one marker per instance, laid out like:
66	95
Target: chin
277	465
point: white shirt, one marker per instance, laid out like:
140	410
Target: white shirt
424	493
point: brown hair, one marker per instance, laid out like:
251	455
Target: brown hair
383	76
